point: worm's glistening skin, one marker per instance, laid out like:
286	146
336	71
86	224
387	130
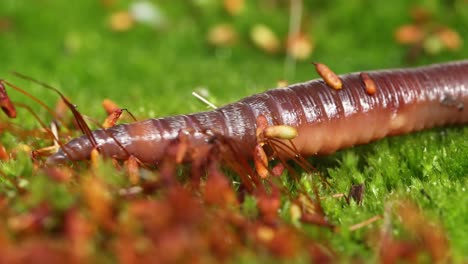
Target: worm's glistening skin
326	119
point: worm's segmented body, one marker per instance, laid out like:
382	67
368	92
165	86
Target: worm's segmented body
406	100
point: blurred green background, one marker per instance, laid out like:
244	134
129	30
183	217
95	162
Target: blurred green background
152	69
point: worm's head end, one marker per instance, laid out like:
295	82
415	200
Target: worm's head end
57	159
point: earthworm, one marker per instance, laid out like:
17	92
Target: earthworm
326	119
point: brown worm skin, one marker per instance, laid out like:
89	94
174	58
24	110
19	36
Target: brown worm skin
406	100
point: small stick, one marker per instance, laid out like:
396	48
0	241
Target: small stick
365	223
204	100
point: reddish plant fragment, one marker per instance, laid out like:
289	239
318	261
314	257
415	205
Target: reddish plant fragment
315	219
320	254
32	221
312	212
60	174
285	243
6	24
121	21
182	147
299	46
410	34
425	238
328	76
278	169
281	241
95	158
369	84
450	38
3	153
432	235
99	200
5	102
268	205
80	232
427	35
44	152
218	189
60	109
260	161
420	14
133	170
234	7
110	106
112	118
222	239
37	250
222	35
